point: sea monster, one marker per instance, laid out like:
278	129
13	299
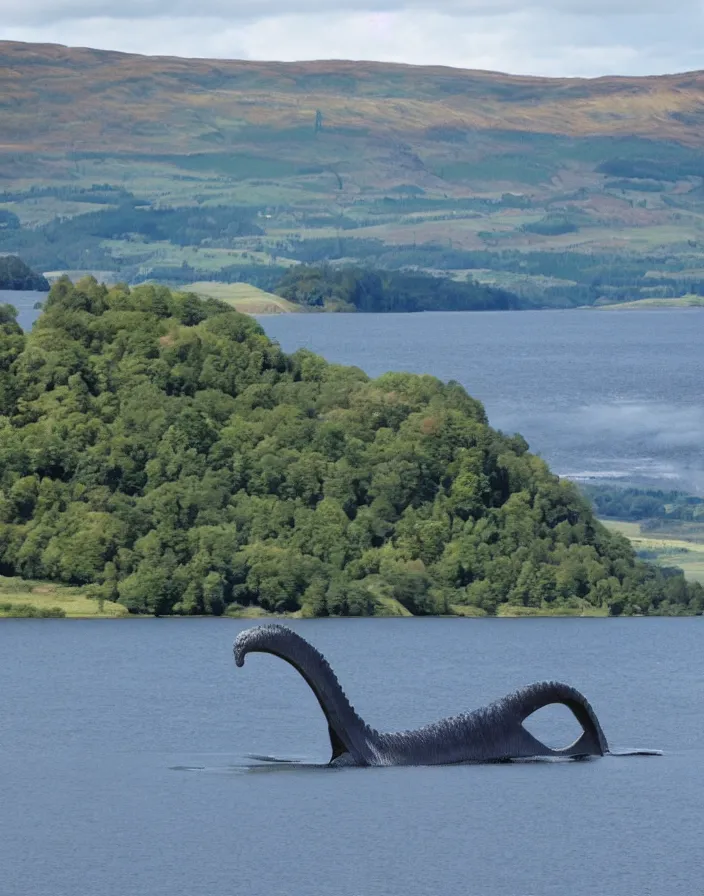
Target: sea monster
494	733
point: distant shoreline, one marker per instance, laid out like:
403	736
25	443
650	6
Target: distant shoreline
688	301
259	303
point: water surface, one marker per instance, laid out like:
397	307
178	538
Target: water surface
125	768
601	395
24	301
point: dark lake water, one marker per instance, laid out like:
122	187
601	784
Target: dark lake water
601	395
124	765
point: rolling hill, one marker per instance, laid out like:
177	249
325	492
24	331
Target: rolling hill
581	188
188	105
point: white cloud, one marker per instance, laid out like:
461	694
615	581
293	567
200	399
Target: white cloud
50	11
547	37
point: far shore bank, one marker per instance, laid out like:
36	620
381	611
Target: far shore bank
688	301
258	303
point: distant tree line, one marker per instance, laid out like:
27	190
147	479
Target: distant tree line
653	169
97	194
615	276
76	242
181	226
323	249
551	225
643	504
363	289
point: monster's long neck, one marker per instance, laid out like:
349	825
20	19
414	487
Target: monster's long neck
348	732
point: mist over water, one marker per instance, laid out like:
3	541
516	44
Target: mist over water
602	396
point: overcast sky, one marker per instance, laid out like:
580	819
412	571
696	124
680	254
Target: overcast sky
543	37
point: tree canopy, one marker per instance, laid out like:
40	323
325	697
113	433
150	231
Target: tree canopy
162	450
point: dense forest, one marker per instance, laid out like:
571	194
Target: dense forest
363	289
15	274
162	451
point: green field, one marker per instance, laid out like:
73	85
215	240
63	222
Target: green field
667	548
20	593
243	297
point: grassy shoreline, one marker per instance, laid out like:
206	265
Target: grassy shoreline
21	594
45	597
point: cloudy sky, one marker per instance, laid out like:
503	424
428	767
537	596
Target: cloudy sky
545	37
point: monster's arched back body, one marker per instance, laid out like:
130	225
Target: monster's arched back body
493	733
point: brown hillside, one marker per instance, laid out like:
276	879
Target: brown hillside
394	165
58	98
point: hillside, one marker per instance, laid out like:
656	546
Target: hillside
16	275
200	101
158	449
566	191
